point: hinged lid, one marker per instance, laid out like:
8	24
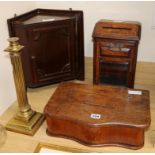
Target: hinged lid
128	30
99	105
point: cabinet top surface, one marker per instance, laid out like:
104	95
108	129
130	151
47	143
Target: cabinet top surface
44	18
114	29
99	105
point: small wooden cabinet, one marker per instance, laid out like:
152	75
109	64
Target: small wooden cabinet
54	48
115	52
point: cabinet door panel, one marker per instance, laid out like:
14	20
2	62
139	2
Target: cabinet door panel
51	51
114	72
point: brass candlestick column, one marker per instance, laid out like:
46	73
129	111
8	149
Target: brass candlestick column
26	120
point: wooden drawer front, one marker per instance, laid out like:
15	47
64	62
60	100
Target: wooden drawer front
115	60
115	49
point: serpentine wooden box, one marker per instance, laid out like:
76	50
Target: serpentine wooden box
99	115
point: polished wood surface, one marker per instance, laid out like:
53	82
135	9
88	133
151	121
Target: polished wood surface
115	52
118	123
54	48
126	30
145	75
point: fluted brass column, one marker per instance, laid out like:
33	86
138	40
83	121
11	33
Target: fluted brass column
26	120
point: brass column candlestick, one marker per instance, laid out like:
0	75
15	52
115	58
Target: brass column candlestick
26	120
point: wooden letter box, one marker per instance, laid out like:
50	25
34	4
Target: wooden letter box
115	52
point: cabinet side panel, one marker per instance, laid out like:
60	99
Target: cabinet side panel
80	46
26	62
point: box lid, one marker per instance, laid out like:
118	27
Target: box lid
99	105
128	30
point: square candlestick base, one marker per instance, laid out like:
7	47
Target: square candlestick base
26	127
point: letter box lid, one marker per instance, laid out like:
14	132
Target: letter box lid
113	29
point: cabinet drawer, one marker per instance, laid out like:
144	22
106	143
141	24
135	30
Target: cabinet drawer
115	60
115	49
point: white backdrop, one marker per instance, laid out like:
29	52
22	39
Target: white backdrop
123	10
7	89
153	17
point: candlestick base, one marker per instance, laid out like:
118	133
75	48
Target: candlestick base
28	127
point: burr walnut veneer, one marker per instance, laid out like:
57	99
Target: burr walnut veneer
99	115
115	52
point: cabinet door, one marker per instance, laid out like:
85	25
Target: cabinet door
51	51
113	62
114	71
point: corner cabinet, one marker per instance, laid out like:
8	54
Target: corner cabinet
54	45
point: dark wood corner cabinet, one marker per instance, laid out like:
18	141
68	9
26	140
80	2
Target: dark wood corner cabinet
115	52
54	45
